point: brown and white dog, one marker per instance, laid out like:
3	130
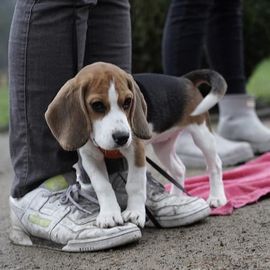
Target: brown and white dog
102	109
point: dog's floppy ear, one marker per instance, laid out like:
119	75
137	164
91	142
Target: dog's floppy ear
67	117
138	112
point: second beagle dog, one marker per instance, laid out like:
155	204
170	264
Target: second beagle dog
103	110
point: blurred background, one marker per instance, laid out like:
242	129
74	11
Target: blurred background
148	19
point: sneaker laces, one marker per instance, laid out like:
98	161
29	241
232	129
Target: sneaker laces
72	196
154	187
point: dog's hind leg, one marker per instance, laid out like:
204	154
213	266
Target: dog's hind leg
166	153
205	140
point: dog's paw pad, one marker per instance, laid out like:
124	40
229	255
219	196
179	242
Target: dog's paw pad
109	220
216	201
134	216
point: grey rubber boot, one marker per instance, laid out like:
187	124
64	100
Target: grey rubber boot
238	121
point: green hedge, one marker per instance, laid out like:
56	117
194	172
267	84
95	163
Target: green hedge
4	108
148	18
256	32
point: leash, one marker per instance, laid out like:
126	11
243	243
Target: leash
165	174
168	177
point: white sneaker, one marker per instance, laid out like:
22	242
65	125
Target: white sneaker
58	217
168	210
173	210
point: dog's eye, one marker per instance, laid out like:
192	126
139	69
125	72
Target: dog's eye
127	103
98	106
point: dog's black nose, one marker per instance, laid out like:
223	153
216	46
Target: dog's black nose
120	138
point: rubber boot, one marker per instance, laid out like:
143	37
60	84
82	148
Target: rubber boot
238	121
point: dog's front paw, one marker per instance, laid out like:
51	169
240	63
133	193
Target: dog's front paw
135	216
217	201
111	219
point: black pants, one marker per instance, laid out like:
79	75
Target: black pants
50	41
212	26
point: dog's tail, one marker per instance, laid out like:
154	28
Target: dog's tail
218	88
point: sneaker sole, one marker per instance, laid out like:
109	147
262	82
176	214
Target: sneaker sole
131	235
180	220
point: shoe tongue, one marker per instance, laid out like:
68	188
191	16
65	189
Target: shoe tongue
55	183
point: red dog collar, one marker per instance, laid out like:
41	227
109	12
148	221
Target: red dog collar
111	154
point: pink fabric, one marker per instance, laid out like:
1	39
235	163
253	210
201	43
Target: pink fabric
243	185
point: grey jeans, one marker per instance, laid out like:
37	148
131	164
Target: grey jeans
50	40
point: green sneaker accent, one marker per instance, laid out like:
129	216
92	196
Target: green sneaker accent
56	183
36	219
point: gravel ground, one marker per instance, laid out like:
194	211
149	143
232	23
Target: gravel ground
239	241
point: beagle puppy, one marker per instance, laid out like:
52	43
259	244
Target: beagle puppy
105	112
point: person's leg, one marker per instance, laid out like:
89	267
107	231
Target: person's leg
43	54
225	43
226	55
41	59
109	34
183	46
184	35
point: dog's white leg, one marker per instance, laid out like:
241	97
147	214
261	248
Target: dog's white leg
205	140
166	153
94	165
135	187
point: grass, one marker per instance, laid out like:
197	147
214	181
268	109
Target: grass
259	83
4	108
